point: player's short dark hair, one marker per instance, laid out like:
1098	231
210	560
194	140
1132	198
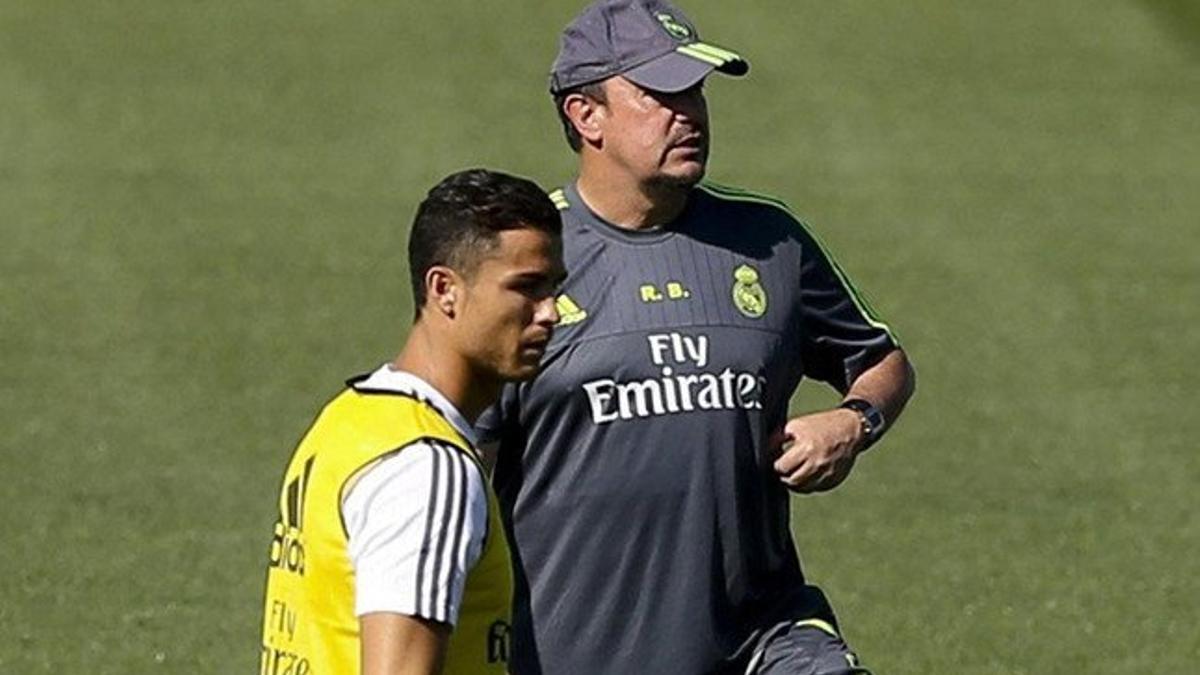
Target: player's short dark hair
592	90
460	220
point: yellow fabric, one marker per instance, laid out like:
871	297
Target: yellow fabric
309	626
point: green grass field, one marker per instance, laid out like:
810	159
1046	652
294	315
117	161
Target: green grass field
203	210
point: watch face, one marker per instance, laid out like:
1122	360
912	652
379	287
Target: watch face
875	420
872	417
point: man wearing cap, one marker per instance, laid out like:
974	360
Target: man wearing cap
644	475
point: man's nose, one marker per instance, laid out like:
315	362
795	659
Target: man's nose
546	312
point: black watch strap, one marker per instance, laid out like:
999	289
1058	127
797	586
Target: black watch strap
872	418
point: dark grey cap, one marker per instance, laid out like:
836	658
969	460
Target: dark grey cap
649	42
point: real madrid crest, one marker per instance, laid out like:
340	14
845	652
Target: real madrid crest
749	296
675	28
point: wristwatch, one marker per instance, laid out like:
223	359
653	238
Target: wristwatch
873	422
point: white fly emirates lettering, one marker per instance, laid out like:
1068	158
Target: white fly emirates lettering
686	384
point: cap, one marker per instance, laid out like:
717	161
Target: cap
649	42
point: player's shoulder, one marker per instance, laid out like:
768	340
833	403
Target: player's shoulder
361	405
366	417
751	207
744	197
741	203
761	207
419	463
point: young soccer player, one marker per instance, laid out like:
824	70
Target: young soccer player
388	557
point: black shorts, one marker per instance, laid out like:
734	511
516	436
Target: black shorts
806	647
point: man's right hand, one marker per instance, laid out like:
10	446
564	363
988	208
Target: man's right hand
818	450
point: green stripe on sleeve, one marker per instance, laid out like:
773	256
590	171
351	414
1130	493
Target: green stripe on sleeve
819	624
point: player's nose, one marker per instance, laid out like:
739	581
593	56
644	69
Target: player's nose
546	312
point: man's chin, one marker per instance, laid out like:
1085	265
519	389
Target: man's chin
682	176
522	371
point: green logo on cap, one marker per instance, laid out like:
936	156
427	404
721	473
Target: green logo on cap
675	29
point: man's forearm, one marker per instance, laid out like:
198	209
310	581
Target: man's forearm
396	644
887	385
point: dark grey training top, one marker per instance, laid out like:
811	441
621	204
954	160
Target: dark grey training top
648	530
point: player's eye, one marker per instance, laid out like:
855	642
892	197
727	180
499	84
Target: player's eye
534	287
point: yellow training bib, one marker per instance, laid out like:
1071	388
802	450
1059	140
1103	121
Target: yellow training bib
309	625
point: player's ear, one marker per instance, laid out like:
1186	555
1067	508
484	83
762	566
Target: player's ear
585	114
443	289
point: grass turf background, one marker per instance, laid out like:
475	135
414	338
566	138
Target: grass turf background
203	211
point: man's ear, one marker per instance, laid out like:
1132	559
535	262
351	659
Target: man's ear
585	115
443	290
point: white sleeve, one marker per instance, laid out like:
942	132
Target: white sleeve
416	523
